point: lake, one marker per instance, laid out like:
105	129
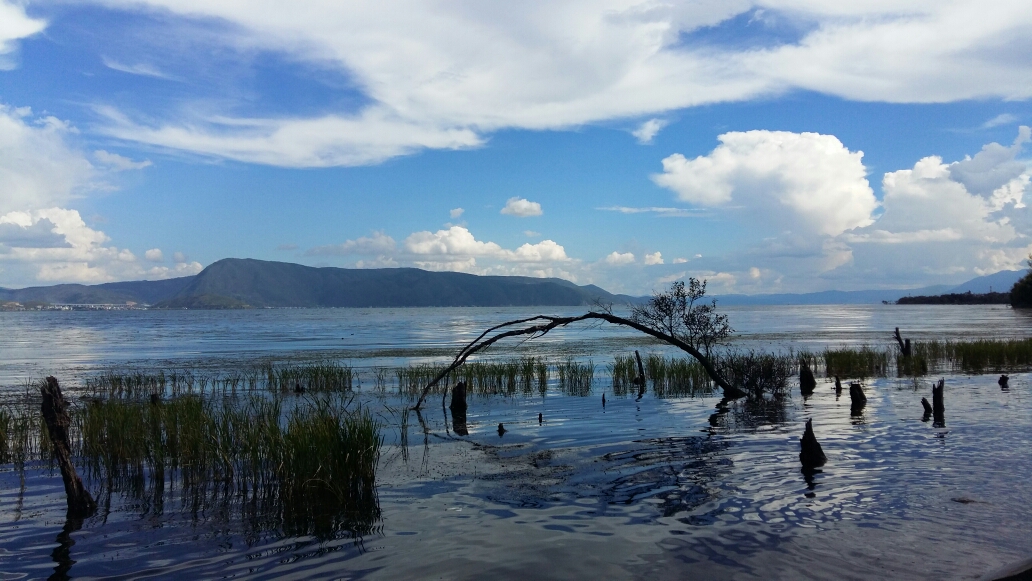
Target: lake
661	488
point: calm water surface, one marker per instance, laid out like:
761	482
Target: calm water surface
662	488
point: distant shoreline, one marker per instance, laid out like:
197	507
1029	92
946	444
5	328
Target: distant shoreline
968	298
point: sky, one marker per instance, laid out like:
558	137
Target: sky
767	147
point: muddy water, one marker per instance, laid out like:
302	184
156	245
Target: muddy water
661	488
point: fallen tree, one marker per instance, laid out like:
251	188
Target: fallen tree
677	317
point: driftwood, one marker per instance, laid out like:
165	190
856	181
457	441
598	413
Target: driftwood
539	325
812	456
55	414
938	407
807	383
857	399
904	344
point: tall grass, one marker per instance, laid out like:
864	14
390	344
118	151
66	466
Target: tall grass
759	373
981	356
575	378
314	460
861	362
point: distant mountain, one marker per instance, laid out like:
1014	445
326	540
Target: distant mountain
829	297
141	291
1000	282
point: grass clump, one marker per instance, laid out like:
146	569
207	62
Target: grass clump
758	373
860	363
981	356
575	378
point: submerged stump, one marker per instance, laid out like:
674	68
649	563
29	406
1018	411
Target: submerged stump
55	415
857	399
927	410
458	398
938	407
812	456
807	383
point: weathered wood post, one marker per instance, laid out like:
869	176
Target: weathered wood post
938	407
857	399
458	398
1003	382
927	410
904	344
55	414
807	383
812	456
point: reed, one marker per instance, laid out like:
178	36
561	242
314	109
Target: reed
981	356
759	373
575	378
860	363
623	371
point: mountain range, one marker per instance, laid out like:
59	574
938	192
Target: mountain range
238	283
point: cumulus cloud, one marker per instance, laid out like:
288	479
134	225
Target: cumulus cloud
457	244
798	181
443	75
455	213
154	255
82	255
38	167
378	243
619	259
653	259
648	130
14	26
521	208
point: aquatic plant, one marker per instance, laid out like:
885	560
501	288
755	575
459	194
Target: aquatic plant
575	378
758	373
857	362
981	356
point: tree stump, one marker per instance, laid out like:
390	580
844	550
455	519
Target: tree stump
857	399
1003	382
938	407
458	398
812	456
904	344
55	415
927	410
838	386
807	383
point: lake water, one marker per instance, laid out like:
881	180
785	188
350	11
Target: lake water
659	488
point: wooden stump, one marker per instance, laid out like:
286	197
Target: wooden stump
640	380
857	399
55	414
938	407
458	398
807	383
927	410
812	456
904	344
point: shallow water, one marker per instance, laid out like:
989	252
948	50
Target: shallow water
661	488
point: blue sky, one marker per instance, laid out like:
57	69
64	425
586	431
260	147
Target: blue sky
786	146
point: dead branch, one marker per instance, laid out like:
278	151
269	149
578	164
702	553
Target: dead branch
539	325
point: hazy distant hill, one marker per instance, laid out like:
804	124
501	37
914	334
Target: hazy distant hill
235	282
140	291
1000	282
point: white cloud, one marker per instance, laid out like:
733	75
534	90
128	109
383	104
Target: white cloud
521	208
116	162
797	181
38	168
619	259
141	69
14	26
680	260
1001	119
664	212
84	255
531	234
369	137
154	255
653	259
648	130
378	243
455	213
439	75
457	244
179	257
